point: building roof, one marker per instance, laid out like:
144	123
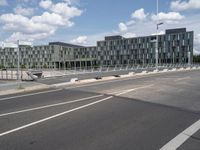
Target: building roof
115	37
177	30
65	44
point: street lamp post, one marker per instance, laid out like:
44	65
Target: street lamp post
157	27
18	78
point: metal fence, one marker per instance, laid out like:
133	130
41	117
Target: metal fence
11	74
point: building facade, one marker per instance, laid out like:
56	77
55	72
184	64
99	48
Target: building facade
54	55
175	46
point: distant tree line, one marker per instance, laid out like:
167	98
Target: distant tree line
196	58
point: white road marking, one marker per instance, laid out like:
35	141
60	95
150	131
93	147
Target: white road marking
134	89
114	92
31	94
48	106
184	78
63	113
182	137
54	116
121	92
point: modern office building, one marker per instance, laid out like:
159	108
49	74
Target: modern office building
54	55
175	46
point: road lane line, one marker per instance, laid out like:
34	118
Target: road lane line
121	92
182	137
48	106
134	89
31	94
54	116
115	92
184	78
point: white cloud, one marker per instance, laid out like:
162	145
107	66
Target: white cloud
139	14
170	17
159	33
24	11
131	22
197	44
129	35
122	27
28	37
52	19
19	23
196	52
71	2
80	40
197	38
45	4
91	39
41	26
179	5
68	1
64	9
3	2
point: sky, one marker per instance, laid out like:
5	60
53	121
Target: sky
84	22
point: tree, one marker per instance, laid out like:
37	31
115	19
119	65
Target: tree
1	66
23	66
196	58
45	66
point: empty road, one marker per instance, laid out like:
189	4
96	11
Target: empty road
158	111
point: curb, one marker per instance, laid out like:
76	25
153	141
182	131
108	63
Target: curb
76	81
23	90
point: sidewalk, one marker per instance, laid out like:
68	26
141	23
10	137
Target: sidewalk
20	87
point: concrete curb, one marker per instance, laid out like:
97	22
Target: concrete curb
23	90
76	81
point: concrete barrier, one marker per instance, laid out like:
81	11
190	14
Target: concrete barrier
87	81
165	70
174	69
131	73
188	68
181	69
142	73
155	71
109	78
74	80
194	67
124	75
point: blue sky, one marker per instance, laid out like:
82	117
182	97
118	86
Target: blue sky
86	21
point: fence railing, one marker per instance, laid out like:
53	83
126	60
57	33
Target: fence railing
11	74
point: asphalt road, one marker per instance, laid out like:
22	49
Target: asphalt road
142	113
90	75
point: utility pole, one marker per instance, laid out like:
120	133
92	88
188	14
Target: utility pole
157	35
189	58
18	67
157	27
